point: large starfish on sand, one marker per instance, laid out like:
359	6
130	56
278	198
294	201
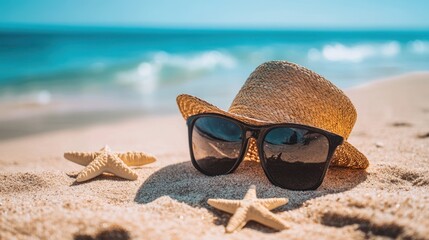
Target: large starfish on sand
251	208
107	161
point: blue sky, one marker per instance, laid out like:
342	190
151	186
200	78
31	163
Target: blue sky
219	13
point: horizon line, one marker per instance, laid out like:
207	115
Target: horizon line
68	27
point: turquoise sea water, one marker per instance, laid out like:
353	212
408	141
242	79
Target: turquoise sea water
146	68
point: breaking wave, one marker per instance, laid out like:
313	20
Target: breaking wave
419	47
164	67
355	53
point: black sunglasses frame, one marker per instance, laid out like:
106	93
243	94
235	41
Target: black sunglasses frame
259	133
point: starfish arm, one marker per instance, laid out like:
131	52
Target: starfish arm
229	206
94	169
81	158
136	158
238	220
263	216
251	193
272	203
119	168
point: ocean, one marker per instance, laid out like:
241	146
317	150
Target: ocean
145	69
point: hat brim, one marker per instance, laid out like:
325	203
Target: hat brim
346	155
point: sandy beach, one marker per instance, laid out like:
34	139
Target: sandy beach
39	198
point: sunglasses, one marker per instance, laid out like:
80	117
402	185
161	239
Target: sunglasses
293	156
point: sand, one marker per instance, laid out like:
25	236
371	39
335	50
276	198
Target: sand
38	200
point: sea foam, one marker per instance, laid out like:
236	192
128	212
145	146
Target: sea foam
419	46
355	53
165	67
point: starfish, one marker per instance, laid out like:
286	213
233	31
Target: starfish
251	208
129	158
107	161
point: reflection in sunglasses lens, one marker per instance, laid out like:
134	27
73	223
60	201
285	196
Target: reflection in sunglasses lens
216	144
295	158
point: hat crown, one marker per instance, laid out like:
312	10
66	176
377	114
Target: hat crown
283	92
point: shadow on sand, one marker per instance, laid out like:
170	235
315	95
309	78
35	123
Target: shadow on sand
184	183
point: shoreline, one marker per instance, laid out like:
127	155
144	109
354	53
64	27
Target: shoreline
398	77
51	117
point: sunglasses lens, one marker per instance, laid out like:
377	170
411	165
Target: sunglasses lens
295	158
216	144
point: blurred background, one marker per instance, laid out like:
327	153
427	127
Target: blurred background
77	62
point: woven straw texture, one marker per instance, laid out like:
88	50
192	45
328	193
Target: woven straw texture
283	92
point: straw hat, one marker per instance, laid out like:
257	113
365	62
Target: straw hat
284	92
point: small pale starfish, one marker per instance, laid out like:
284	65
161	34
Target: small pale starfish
107	161
251	208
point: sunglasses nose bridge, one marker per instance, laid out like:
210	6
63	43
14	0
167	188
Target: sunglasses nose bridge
252	132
